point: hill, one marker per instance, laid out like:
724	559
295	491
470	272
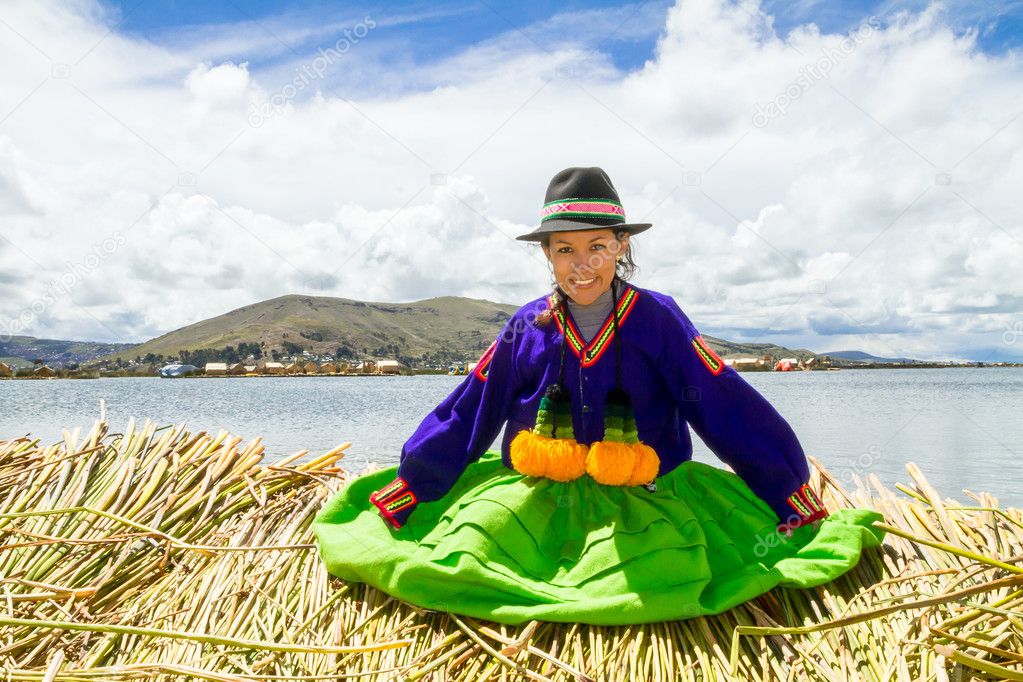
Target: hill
860	356
433	331
428	333
20	351
731	349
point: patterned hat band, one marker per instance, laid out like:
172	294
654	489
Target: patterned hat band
583	208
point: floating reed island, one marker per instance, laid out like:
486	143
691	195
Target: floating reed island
159	553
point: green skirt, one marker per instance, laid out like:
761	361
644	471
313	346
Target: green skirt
511	548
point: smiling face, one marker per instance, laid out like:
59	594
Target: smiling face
584	261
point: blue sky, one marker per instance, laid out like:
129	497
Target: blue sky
438	31
816	179
447	28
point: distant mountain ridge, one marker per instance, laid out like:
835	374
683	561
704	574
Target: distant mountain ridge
20	351
431	331
427	333
755	350
861	356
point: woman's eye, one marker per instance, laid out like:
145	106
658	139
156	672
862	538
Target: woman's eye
564	249
598	246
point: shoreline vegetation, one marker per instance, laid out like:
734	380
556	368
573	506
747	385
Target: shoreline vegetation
96	374
166	554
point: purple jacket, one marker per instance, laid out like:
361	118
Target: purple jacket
672	377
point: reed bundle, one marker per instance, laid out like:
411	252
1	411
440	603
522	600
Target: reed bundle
157	553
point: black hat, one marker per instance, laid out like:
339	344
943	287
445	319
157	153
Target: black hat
581	199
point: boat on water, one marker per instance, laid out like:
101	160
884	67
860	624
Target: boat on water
176	369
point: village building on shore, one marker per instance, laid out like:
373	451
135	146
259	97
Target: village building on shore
215	368
747	363
390	367
293	367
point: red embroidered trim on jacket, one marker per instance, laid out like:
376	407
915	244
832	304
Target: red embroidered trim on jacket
483	365
807	505
589	353
803	521
708	356
393	498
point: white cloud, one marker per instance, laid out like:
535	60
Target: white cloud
218	83
878	211
19	192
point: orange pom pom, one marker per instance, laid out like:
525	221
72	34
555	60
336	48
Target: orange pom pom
528	455
616	463
647	464
560	459
567	460
610	462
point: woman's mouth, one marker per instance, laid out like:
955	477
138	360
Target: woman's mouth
585	283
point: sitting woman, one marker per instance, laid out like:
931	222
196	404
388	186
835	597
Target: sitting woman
593	510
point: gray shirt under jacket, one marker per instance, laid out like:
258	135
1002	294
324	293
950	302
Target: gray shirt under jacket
589	318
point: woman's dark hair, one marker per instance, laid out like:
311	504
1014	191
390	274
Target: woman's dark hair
624	270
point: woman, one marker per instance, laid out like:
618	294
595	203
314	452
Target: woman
593	510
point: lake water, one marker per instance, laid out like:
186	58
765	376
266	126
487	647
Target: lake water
962	426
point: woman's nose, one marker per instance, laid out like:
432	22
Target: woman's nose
582	265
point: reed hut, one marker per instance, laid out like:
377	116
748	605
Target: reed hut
328	368
216	369
273	368
44	371
5	370
310	368
389	367
293	368
745	363
237	369
365	367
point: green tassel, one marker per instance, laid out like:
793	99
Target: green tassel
555	410
619	422
545	417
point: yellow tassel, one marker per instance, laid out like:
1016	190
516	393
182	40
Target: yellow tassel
567	460
563	459
610	462
616	463
559	459
527	456
647	464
